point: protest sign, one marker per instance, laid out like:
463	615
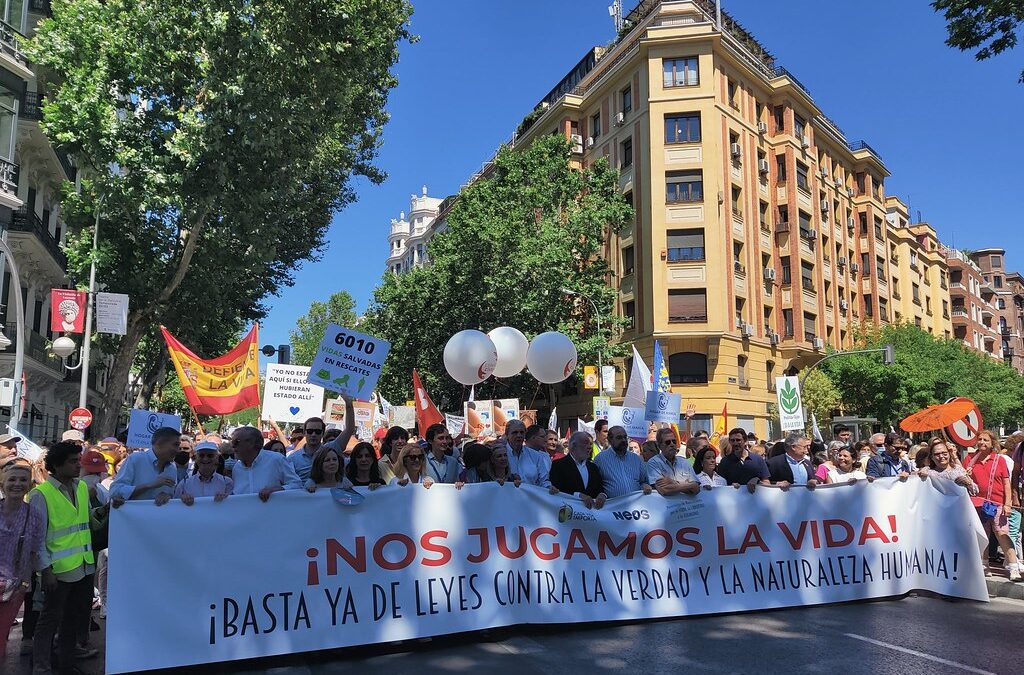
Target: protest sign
112	313
631	419
608	379
364	419
334	411
142	424
403	416
288	396
663	407
503	410
602	404
791	408
455	423
348	362
479	417
493	556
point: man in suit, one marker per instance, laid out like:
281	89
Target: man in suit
576	475
793	467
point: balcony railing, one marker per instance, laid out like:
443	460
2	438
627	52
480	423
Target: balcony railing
31	106
35	347
26	220
8	177
809	336
693	253
9	43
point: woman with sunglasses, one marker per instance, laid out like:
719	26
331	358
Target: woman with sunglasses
21	536
991	471
409	467
943	463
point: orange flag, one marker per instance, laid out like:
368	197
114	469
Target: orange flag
720	426
221	385
427	413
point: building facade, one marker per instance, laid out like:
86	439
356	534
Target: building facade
973	305
408	238
920	273
31	174
1006	292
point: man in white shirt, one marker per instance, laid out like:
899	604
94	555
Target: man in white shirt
149	474
258	470
532	466
668	473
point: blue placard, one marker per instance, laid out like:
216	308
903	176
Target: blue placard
348	362
631	419
143	423
663	407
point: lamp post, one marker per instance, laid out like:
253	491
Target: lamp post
597	318
19	345
83	391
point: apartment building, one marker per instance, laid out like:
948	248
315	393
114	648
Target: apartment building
920	273
408	238
761	233
973	306
31	173
1006	292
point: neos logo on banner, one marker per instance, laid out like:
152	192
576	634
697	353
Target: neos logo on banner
348	362
288	397
791	407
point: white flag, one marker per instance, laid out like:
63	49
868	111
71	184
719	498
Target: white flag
640	382
26	448
472	392
112	313
587	427
816	431
553	420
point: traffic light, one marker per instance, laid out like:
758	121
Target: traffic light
284	354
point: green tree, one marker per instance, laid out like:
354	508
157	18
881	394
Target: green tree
927	370
534	225
988	26
221	134
310	327
821	397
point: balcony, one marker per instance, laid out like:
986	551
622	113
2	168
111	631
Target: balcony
988	337
1005	330
36	348
959	315
739	268
10	47
957	287
31	106
688	254
986	312
26	220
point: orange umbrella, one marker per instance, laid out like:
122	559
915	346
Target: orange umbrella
938	416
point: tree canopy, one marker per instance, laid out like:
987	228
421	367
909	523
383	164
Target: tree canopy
310	327
514	238
988	26
220	135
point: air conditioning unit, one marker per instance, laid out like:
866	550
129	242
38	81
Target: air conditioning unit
809	234
773	338
839	183
620	119
769	274
819	344
577	143
762	165
762	127
824	172
824	205
841	261
849	192
851	223
590	141
735	150
747	330
805	142
843	305
854	268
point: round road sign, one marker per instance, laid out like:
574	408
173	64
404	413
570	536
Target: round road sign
80	418
965	432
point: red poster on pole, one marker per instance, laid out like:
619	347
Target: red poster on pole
67	310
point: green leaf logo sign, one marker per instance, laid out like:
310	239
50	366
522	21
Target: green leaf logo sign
789	398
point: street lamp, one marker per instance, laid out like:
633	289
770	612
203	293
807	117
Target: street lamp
63	347
888	358
597	318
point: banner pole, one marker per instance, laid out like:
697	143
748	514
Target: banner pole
196	418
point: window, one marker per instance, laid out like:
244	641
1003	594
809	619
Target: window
805	224
627	153
860	183
8	122
741	371
862	219
865	264
779	113
627	261
995	261
682	128
685	245
762	214
783	211
626	98
734	139
997	281
684	186
880	267
38	320
878	227
915	293
688	368
787	271
1000	303
801	176
595	125
734	94
810	327
681	72
945	309
737	202
787	322
799	126
780	168
869	306
687	306
807	275
629	312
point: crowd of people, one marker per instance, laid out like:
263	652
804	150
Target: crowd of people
54	514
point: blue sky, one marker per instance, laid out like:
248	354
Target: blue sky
948	127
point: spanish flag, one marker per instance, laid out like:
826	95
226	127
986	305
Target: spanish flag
720	426
220	385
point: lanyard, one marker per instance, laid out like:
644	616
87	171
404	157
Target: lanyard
437	471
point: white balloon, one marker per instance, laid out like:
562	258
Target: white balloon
551	358
470	357
512	346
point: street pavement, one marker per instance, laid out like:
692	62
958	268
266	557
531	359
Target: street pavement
903	636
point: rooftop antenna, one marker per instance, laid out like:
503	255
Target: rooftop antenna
615	12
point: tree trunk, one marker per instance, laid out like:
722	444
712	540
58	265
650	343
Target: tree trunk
113	398
155	374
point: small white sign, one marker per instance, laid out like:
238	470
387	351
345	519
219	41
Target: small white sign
288	396
791	408
602	404
112	313
455	423
142	424
608	379
348	362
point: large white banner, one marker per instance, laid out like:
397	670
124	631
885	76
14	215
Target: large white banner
243	579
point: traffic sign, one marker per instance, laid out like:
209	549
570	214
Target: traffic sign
964	432
80	418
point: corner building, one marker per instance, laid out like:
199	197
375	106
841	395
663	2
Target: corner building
760	235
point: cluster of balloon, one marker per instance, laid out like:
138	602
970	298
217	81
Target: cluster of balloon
470	356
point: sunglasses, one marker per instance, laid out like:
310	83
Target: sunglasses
314	431
414	458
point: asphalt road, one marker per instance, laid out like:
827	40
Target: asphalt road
901	636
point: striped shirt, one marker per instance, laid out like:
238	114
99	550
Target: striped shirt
623	474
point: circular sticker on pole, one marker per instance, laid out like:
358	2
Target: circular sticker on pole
80	418
964	432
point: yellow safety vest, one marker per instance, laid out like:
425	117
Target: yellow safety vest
68	538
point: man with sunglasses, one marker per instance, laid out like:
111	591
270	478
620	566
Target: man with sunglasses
793	467
302	459
666	472
890	463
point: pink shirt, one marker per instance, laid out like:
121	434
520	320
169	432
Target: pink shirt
25	519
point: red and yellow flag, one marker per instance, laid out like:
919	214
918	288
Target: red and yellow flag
220	385
720	426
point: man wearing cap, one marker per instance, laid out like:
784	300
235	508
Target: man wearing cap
8	446
149	474
206	482
73	435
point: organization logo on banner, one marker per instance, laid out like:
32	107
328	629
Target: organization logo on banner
791	408
567	513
